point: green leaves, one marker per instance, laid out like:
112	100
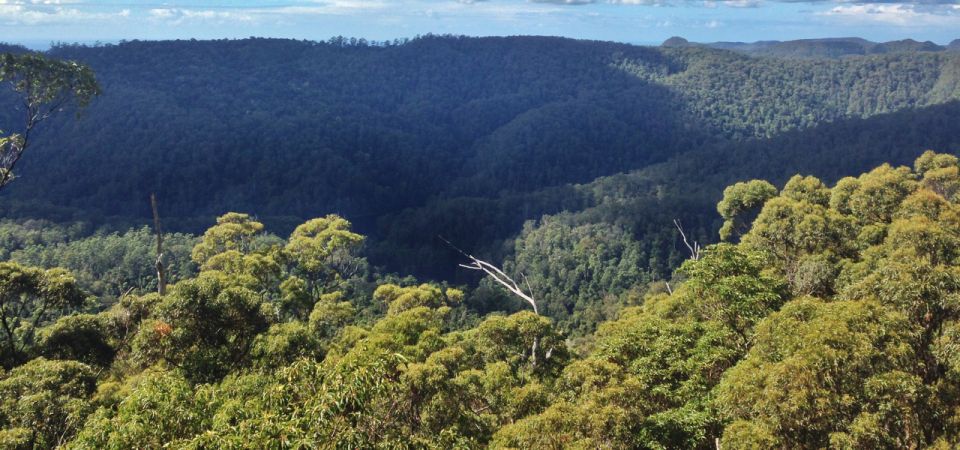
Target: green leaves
868	369
205	327
314	244
825	327
818	374
400	299
160	408
741	203
29	298
44	403
78	337
44	87
571	268
44	81
234	231
728	285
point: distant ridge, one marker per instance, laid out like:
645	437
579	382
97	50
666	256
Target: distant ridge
676	41
819	48
13	48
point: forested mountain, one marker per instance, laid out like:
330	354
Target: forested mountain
669	249
453	136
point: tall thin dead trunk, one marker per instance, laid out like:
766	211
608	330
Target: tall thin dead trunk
161	272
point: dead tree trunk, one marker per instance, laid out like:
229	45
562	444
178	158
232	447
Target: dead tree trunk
694	248
161	272
504	280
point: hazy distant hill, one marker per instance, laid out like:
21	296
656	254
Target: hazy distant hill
11	48
817	48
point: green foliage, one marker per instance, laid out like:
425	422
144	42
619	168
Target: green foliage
879	193
521	339
160	409
233	232
317	243
866	369
647	382
42	87
572	269
741	202
78	337
808	189
487	152
831	318
17	235
324	257
42	80
29	298
730	286
400	299
799	236
330	314
833	323
285	342
179	331
44	403
109	265
826	375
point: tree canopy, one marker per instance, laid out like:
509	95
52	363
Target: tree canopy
827	316
831	323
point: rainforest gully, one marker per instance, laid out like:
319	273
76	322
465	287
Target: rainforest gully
504	242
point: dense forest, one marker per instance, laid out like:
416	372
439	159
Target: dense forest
461	137
671	246
833	322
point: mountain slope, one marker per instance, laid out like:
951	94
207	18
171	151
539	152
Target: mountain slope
448	134
686	187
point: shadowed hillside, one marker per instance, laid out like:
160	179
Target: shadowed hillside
466	137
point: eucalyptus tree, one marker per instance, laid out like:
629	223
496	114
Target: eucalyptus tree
43	87
29	298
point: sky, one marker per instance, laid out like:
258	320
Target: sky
37	23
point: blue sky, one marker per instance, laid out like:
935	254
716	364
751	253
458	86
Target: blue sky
38	22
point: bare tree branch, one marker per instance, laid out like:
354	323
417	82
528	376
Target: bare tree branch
693	248
498	275
504	280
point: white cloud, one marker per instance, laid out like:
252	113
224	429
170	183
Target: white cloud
176	16
899	14
565	2
54	2
742	3
163	13
49	12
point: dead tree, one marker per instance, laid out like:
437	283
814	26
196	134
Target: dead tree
161	272
498	275
694	248
506	281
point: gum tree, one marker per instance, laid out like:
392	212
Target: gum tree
42	87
